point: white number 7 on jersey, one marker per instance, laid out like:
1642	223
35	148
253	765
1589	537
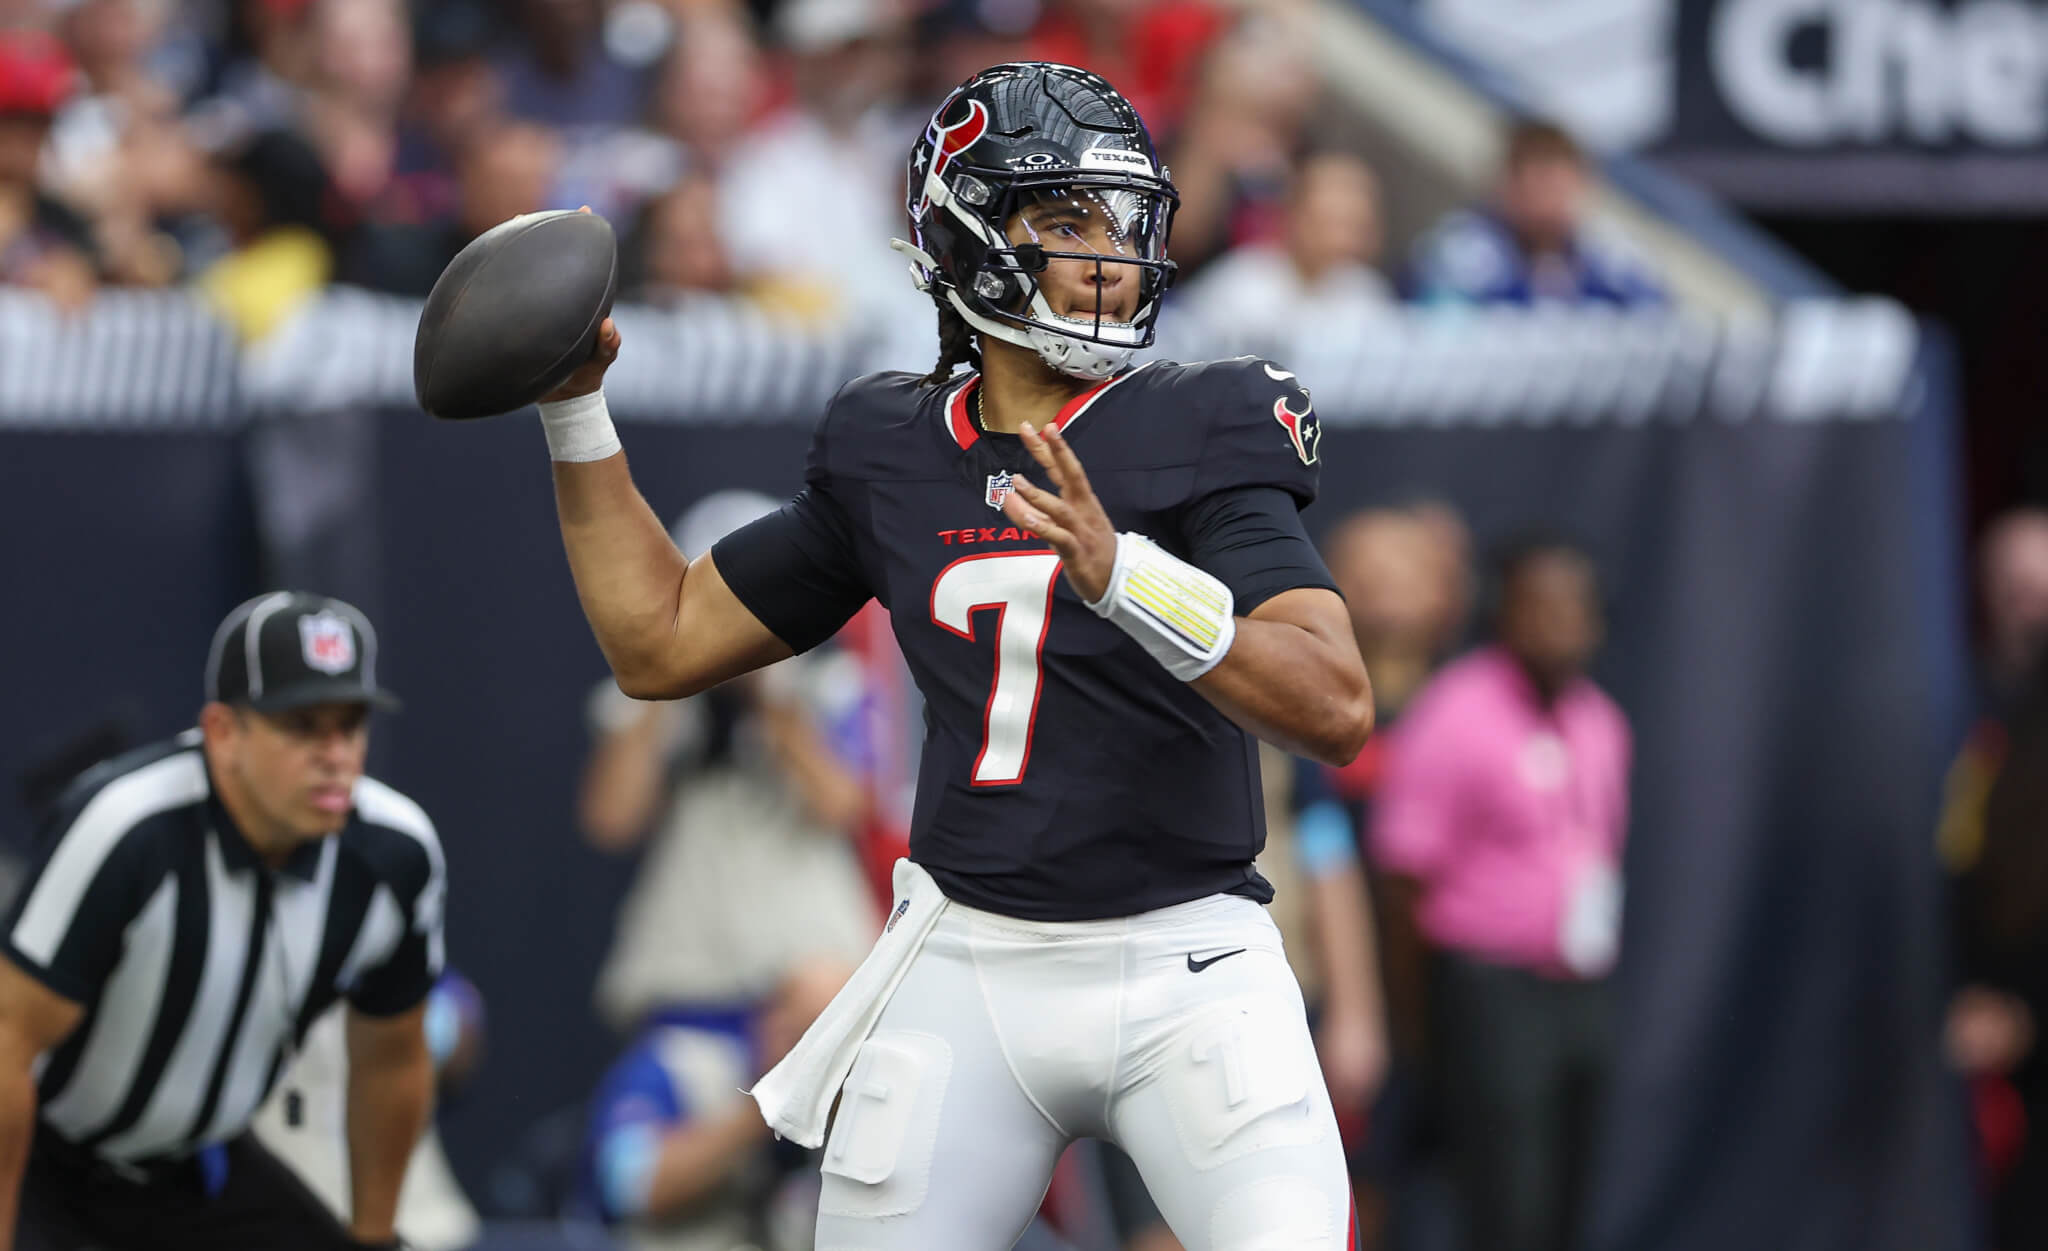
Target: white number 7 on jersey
1019	586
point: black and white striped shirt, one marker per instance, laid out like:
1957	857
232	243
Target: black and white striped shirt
198	966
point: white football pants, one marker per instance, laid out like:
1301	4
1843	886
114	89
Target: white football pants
1009	1039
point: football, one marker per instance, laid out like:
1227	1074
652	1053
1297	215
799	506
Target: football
514	314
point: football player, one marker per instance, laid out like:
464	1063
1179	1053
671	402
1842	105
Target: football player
1079	947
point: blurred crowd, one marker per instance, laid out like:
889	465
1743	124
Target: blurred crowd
746	149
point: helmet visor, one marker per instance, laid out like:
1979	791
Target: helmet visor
1089	256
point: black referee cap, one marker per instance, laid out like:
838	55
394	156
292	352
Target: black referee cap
289	649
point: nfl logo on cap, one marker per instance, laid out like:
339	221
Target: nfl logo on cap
327	642
998	488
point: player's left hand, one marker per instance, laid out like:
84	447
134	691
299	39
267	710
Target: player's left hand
1073	521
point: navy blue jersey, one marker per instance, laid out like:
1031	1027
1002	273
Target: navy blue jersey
1065	775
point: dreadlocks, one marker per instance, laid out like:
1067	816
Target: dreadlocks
956	346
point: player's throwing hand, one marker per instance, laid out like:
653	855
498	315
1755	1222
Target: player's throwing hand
1073	521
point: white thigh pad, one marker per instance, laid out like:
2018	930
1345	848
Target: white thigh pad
1277	1214
887	1124
1242	1077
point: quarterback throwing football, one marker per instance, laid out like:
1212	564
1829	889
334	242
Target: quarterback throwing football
1078	946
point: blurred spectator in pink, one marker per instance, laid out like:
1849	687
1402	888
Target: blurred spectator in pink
1318	278
1233	155
1150	49
1994	845
1536	242
1504	805
813	197
43	244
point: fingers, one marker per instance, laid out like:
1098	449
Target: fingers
1026	505
1041	451
1075	487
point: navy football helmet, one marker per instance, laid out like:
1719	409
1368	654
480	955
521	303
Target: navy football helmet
1035	134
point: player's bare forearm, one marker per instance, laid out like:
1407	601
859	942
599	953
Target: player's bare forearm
667	627
17	1130
665	631
390	1093
1294	677
33	1021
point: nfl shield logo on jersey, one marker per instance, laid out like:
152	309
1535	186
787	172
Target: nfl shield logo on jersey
998	488
327	642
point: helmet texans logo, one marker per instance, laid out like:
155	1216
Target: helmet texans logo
1304	429
950	141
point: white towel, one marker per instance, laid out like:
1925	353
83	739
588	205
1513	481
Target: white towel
796	1095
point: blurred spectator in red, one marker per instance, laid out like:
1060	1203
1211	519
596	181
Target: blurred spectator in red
1994	845
563	71
1504	806
1536	243
1150	50
1233	157
43	244
1317	278
812	197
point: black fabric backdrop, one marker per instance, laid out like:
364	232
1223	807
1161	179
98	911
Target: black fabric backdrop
1785	637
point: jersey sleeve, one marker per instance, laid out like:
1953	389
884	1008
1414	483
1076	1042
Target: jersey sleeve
798	569
68	922
1263	431
416	873
1251	537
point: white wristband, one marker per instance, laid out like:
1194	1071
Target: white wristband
1181	615
579	428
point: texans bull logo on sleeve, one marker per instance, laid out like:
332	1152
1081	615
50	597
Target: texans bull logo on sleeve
1303	428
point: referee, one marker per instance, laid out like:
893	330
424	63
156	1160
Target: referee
197	904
